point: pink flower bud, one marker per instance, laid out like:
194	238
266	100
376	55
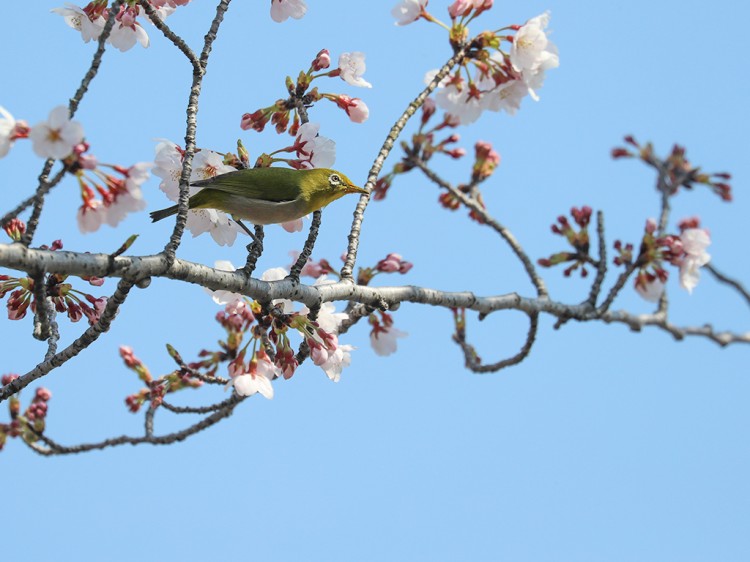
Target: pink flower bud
322	60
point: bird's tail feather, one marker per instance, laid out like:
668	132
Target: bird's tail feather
163	213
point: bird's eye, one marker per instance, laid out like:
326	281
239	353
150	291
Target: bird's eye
334	179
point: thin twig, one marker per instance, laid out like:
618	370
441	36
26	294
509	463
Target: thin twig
86	339
308	247
176	40
190	130
54	448
601	266
736	285
44	189
473	363
503	231
385	150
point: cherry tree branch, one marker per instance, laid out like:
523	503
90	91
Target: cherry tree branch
736	285
54	448
192	124
503	231
385	150
81	343
176	40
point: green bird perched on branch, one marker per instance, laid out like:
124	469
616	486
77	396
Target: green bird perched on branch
268	195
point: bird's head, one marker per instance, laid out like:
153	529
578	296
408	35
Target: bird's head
321	186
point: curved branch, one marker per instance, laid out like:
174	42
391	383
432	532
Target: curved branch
190	130
473	363
54	448
506	234
385	150
81	343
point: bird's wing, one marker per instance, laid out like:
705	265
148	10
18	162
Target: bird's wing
255	183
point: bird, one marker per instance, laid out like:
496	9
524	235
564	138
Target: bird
268	195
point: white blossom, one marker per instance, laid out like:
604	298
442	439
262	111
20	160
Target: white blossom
124	37
383	340
206	164
91	216
694	243
650	290
314	151
281	10
7	127
56	137
352	67
408	11
336	362
260	382
77	19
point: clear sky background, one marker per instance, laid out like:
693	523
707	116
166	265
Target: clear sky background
602	445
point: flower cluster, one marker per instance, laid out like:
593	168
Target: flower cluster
106	197
577	238
392	263
501	78
675	170
57	137
76	304
424	145
89	21
156	389
29	424
284	113
271	355
383	334
686	251
119	193
206	164
281	10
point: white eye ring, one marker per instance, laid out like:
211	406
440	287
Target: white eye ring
334	179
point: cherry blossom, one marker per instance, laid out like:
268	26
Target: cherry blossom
56	137
352	67
313	150
281	10
650	288
7	126
336	362
79	20
127	195
694	244
127	31
531	48
408	11
10	130
355	108
206	164
168	166
293	226
532	53
91	215
383	341
323	60
257	379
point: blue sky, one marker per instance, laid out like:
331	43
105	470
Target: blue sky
603	445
